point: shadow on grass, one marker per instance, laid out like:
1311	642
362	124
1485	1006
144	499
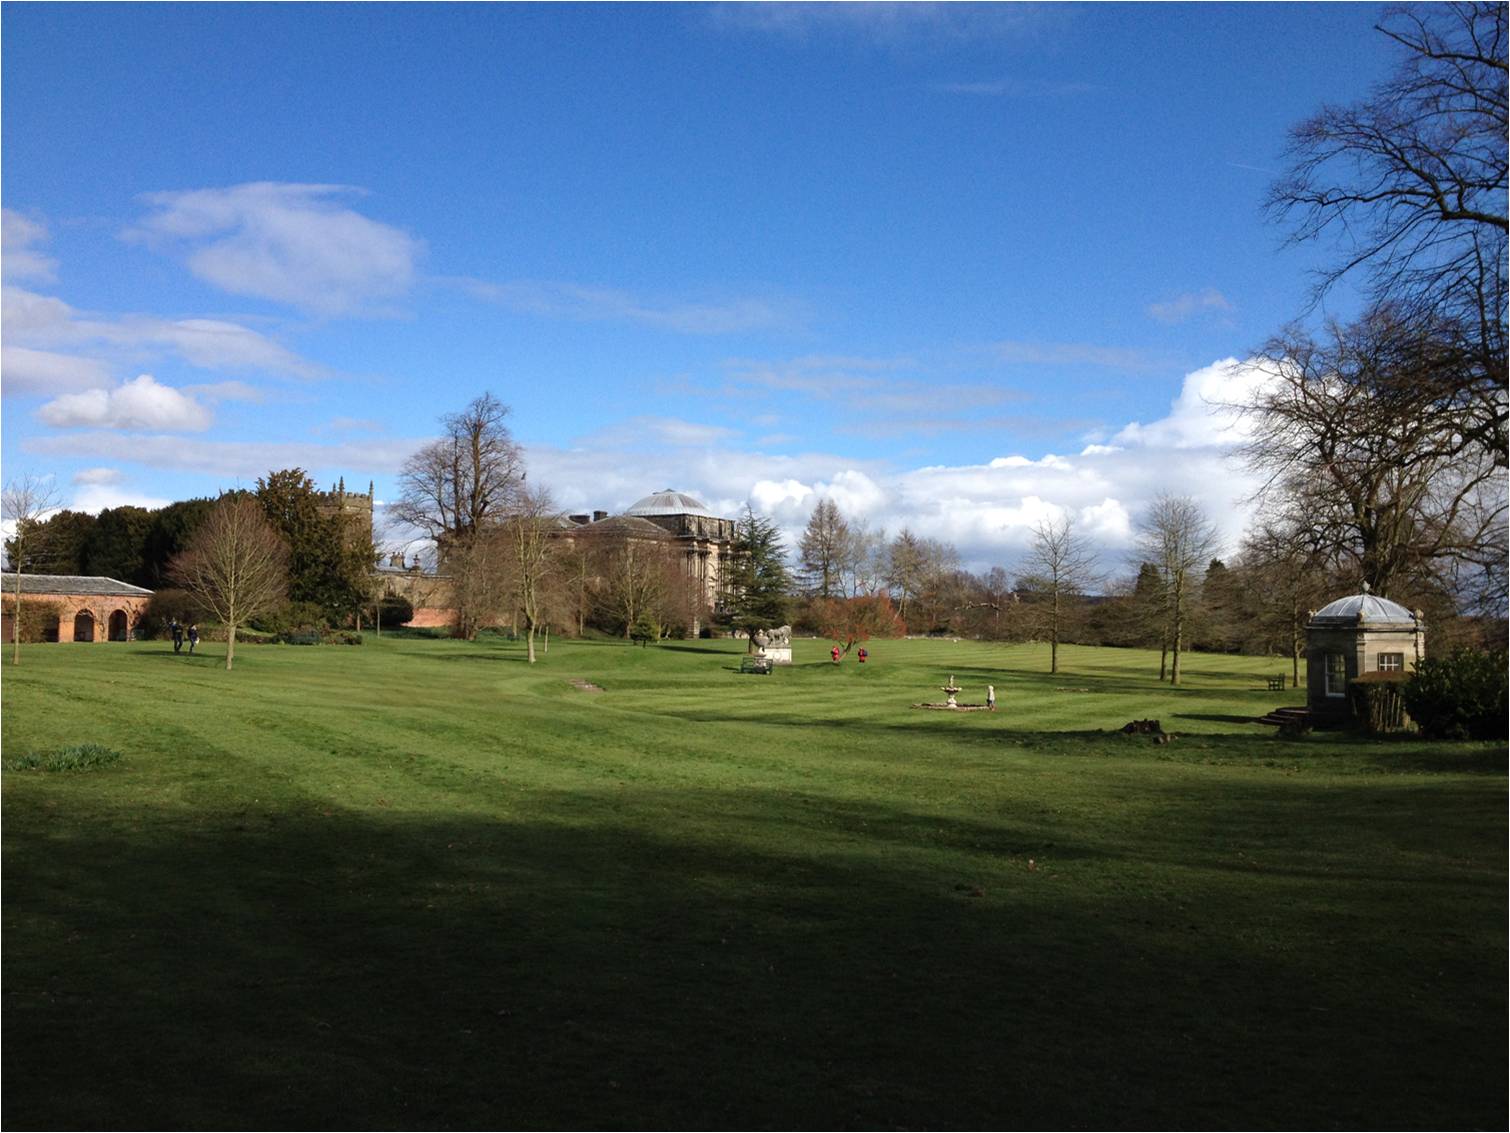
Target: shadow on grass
688	647
353	970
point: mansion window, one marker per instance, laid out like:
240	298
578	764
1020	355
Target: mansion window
1391	662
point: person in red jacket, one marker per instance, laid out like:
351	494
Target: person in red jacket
834	653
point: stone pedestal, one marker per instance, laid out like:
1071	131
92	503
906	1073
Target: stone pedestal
779	654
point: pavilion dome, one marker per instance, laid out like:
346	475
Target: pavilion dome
1363	608
669	502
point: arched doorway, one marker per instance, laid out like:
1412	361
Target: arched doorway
83	626
119	626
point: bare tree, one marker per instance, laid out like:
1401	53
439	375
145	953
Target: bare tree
1413	182
905	568
634	575
1283	571
825	549
1177	538
461	483
532	554
25	501
1368	462
235	567
1061	566
479	564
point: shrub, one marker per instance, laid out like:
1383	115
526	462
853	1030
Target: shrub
343	637
1461	696
165	606
290	617
39	619
1377	703
78	757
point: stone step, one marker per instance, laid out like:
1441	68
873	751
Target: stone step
1290	717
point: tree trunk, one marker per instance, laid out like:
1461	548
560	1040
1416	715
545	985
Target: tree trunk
15	621
1174	662
1054	634
230	645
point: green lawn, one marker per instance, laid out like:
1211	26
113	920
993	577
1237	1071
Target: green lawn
422	884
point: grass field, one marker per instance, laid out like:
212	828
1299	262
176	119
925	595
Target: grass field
420	883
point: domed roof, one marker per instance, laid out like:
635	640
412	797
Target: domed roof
669	502
1363	608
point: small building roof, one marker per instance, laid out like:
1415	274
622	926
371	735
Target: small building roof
669	502
82	584
628	526
1362	609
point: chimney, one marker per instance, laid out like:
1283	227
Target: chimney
599	516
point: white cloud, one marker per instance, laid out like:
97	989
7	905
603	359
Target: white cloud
988	510
25	312
231	462
1072	354
141	403
95	498
1202	414
592	304
881	24
227	391
295	244
1184	307
658	433
1017	88
36	323
28	372
97	476
20	260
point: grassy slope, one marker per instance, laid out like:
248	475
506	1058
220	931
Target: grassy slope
420	883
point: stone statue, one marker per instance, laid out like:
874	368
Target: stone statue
778	638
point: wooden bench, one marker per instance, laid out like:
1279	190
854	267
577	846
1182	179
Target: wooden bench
1277	684
761	665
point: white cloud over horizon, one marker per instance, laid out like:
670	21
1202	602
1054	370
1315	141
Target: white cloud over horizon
987	509
296	244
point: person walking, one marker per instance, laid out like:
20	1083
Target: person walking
193	637
863	655
834	653
177	633
991	698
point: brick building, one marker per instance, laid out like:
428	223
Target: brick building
77	607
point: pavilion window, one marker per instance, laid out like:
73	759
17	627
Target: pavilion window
1336	674
1391	662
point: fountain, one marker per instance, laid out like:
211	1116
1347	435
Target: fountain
952	690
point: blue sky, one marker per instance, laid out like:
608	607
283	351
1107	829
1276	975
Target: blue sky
959	267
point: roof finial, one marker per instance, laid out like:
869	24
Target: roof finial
1365	586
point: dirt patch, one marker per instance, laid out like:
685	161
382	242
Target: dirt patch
585	686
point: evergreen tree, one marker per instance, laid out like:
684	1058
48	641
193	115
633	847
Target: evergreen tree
171	531
328	564
758	581
117	545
